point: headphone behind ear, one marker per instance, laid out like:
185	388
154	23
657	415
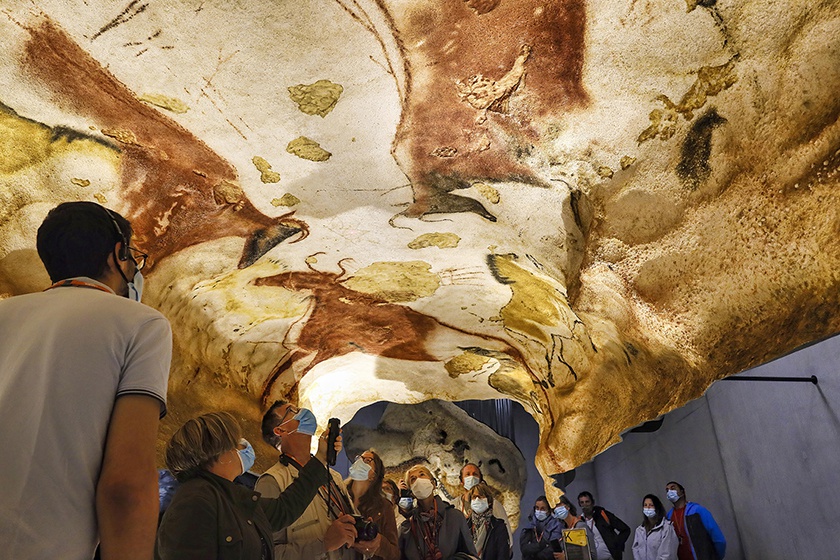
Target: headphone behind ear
123	253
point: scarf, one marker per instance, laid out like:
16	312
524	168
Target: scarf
480	527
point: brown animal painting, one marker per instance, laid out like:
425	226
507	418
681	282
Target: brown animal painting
175	189
342	320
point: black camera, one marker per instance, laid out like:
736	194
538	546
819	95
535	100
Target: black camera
366	530
406	493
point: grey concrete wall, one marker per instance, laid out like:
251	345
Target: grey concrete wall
763	457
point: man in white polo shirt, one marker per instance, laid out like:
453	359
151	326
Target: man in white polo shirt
83	386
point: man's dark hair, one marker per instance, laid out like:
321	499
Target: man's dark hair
76	238
588	495
270	420
680	486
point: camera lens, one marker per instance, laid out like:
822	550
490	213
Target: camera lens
366	530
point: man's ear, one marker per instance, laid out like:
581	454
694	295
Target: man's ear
112	263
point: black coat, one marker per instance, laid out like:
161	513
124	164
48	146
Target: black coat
613	530
533	548
497	546
211	517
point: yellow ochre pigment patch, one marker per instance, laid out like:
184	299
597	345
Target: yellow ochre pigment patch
316	99
287	199
305	148
440	240
25	143
711	80
266	174
468	362
395	281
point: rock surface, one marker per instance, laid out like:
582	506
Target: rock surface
621	201
444	438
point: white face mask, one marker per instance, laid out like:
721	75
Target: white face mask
649	512
360	470
422	488
479	505
673	496
470	482
135	287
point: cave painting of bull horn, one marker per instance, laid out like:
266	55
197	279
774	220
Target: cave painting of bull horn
581	206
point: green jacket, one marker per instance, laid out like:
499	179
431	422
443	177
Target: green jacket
213	518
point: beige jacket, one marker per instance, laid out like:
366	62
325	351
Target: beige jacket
304	539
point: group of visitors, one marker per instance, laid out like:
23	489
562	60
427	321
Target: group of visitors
297	511
98	377
686	532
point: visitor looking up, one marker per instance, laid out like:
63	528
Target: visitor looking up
365	487
211	516
434	530
699	536
392	493
84	374
326	529
470	477
490	535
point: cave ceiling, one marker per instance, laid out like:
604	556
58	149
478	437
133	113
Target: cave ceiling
595	208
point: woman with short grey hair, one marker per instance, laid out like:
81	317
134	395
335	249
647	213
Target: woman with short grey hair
211	516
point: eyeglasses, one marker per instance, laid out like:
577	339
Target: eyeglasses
291	408
139	257
368	460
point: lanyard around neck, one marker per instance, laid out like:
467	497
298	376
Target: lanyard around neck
78	284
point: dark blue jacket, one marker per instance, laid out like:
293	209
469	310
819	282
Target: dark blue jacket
706	538
540	549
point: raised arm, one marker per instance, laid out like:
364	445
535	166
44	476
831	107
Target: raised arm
283	510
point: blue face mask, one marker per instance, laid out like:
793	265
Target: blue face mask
561	512
673	496
359	470
246	456
540	514
135	287
406	503
307	423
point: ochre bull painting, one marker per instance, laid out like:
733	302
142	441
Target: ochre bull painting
577	205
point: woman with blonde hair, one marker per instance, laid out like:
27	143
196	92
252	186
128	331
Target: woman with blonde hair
211	516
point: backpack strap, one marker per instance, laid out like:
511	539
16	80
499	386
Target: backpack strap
607	519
